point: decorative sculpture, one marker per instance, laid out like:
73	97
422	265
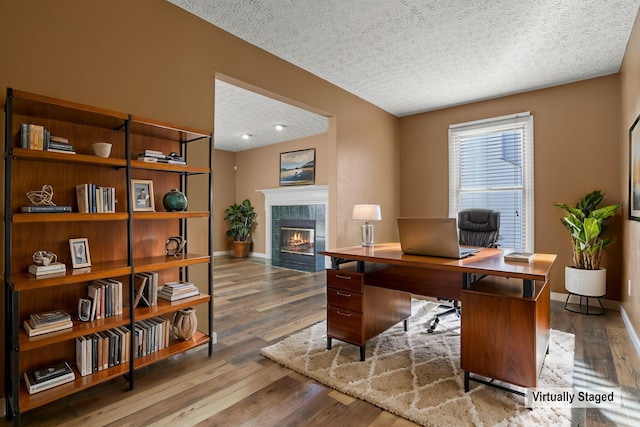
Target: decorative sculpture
43	197
44	257
174	245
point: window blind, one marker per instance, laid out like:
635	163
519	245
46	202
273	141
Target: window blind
491	166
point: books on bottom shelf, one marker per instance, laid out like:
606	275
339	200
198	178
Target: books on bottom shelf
106	349
46	322
173	291
44	379
43	270
151	335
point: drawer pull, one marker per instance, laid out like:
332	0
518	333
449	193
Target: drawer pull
343	313
342	294
339	276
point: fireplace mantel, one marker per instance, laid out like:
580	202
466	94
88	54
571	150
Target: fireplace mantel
292	196
298	195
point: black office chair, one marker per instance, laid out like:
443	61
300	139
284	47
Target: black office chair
476	227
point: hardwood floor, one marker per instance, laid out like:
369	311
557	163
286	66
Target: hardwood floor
256	305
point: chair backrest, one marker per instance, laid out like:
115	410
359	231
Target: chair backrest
479	227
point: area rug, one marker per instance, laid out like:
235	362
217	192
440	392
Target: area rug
417	376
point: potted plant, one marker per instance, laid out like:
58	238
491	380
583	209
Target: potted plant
242	218
587	225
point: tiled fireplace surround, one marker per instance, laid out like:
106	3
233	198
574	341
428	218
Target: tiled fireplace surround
296	203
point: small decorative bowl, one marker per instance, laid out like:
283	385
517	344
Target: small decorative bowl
101	149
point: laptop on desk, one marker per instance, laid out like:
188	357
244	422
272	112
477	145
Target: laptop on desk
436	237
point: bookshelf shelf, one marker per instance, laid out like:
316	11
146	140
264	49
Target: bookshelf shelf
122	244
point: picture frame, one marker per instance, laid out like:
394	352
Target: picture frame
80	256
142	198
634	170
298	167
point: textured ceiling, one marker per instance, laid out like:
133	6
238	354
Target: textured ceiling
239	111
410	56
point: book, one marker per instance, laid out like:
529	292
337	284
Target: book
55	150
45	209
152	153
60	146
519	256
176	297
48	317
34	332
36	137
58	139
54	267
51	372
34	387
82	196
81	356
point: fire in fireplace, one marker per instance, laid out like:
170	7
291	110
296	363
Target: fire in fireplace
297	240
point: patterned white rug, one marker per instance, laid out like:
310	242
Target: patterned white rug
416	375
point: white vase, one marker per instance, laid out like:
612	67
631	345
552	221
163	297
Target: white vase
590	283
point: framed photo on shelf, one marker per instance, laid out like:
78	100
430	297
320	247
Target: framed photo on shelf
634	171
298	167
80	252
142	195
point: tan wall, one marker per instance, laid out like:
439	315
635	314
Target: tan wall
630	100
576	130
224	194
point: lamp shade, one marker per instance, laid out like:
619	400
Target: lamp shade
366	213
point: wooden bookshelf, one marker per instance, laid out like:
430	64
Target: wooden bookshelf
121	243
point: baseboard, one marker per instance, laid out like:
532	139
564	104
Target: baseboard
608	304
632	332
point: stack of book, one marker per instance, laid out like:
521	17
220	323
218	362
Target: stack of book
46	322
43	270
58	144
154	156
46	378
174	291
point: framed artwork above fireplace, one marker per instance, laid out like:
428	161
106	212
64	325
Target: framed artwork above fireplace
298	167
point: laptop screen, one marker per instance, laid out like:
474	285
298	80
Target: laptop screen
431	237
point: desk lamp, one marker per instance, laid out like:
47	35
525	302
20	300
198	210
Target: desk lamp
366	213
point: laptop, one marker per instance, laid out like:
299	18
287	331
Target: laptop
436	237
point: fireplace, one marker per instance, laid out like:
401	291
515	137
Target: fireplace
297	240
303	210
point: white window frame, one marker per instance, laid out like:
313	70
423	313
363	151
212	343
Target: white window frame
522	120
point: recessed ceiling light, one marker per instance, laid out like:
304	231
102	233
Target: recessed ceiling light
245	136
279	127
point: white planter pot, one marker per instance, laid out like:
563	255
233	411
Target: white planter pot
590	283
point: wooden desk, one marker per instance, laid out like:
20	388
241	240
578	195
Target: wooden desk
505	316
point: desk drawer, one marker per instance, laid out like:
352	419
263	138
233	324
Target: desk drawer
346	280
345	325
340	298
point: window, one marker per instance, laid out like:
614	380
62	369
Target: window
491	166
